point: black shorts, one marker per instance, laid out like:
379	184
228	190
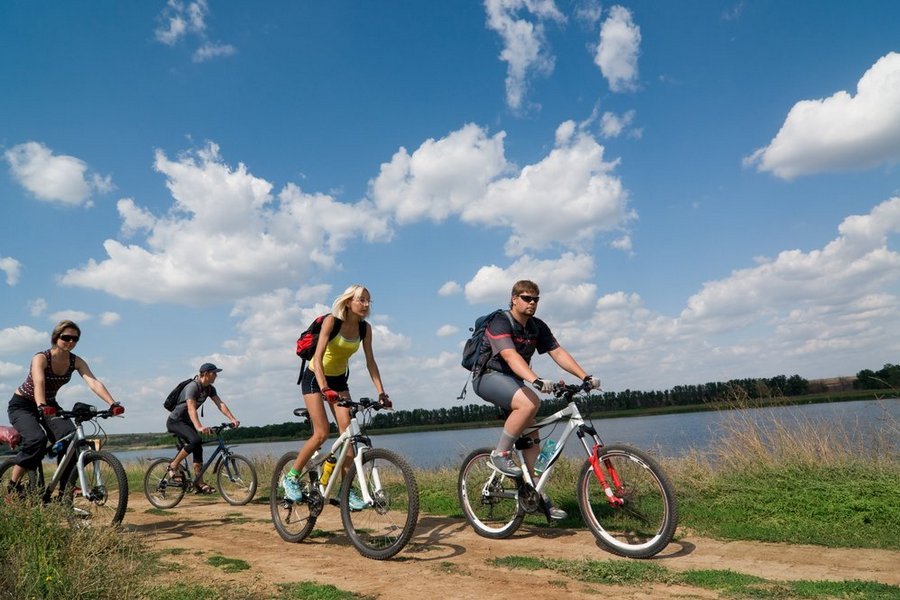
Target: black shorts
309	385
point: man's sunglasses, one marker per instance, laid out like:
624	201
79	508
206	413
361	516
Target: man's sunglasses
529	299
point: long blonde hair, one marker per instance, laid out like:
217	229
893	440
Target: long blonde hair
339	308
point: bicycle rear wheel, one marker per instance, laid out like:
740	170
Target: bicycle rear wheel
293	520
489	499
161	489
105	499
382	529
645	521
236	477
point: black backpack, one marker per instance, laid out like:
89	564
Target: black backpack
306	343
472	351
172	398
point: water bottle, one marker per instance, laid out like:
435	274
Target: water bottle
327	469
546	452
56	449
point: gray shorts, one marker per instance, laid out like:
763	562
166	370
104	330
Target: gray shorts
498	388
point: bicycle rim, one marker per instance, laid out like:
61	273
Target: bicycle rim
488	498
237	480
382	529
293	520
105	499
645	522
162	490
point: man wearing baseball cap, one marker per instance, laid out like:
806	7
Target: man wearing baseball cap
184	422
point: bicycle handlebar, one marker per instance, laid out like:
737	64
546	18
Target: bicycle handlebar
217	429
567	390
88	414
361	403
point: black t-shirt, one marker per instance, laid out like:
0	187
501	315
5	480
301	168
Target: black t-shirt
505	332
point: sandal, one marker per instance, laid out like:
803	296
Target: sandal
204	488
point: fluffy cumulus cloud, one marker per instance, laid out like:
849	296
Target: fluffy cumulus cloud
618	50
20	339
567	198
225	237
450	288
842	131
12	268
520	25
54	177
181	20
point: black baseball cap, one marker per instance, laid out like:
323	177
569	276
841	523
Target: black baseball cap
209	367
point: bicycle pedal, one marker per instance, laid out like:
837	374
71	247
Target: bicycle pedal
334	502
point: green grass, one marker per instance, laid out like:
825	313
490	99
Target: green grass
728	583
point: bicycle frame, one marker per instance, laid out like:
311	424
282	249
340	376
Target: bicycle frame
575	424
222	450
352	436
78	444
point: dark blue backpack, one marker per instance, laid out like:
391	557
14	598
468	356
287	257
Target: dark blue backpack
473	350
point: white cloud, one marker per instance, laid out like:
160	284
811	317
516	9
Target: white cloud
180	21
840	132
524	43
465	173
445	330
450	288
21	339
10	371
225	236
73	315
617	52
493	283
54	178
37	307
12	268
110	318
211	50
613	125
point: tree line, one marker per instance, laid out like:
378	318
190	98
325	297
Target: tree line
680	395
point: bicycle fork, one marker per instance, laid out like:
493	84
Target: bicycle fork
611	497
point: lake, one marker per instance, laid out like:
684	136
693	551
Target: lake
666	435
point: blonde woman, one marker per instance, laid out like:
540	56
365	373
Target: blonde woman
325	381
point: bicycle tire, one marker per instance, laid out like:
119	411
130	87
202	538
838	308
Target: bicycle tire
489	499
383	529
31	481
236	477
293	521
106	500
162	490
646	522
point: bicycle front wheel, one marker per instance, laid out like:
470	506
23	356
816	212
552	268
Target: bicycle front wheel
162	489
489	499
640	520
237	479
381	529
293	520
104	500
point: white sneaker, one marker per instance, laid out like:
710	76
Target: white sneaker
292	490
556	513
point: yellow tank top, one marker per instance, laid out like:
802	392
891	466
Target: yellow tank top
337	355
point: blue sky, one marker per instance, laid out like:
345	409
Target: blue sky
703	190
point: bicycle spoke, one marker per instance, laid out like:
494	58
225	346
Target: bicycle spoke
293	521
488	498
237	480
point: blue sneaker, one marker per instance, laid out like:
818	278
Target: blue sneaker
291	485
355	502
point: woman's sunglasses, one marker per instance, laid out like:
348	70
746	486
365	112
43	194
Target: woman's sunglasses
69	338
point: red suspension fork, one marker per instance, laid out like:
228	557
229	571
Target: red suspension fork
611	497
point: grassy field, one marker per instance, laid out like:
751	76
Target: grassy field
785	481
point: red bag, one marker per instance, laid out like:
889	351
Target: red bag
9	436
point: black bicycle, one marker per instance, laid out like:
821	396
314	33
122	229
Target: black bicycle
235	476
90	481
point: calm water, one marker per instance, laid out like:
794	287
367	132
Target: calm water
668	435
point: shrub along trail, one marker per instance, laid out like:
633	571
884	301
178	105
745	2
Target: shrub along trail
446	559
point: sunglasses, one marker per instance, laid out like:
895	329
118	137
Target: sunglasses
69	338
529	299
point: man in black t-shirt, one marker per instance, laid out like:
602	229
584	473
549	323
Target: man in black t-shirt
184	422
513	338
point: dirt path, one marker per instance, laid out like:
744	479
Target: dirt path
446	559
